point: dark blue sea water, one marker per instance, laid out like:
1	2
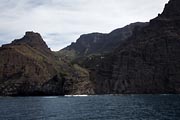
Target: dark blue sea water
123	107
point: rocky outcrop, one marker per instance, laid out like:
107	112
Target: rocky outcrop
99	43
147	62
80	84
29	67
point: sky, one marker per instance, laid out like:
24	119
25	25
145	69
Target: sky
61	22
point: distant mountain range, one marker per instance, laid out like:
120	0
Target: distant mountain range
139	58
99	43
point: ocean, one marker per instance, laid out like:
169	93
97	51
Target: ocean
105	107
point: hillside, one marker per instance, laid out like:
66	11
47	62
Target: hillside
29	67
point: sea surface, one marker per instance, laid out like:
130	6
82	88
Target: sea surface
121	107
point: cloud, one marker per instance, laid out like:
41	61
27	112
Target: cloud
61	22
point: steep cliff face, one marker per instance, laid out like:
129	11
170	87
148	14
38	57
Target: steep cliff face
29	67
147	62
98	43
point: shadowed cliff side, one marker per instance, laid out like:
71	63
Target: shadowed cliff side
147	62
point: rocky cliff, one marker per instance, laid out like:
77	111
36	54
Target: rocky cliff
29	67
147	62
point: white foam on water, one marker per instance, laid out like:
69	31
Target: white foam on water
50	97
76	95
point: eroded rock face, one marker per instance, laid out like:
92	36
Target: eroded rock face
80	84
29	67
147	62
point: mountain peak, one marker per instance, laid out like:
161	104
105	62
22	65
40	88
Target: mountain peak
34	40
31	33
30	38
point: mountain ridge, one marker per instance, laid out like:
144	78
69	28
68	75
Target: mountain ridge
99	43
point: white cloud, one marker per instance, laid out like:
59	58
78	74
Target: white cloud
61	22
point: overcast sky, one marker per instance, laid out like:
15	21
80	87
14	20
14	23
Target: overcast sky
61	22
